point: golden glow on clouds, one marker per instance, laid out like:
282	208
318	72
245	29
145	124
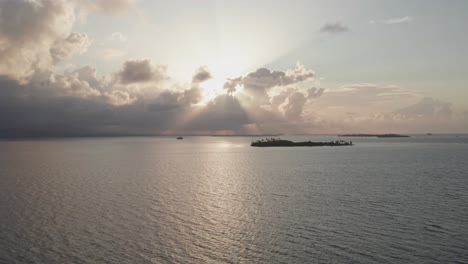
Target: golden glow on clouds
213	88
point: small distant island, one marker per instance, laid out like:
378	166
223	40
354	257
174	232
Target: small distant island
375	135
277	142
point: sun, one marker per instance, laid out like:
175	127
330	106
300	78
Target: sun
213	88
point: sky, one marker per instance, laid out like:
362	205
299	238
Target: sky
141	67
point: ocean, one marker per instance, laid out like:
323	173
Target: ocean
218	200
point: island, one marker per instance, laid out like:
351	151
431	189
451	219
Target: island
277	142
375	135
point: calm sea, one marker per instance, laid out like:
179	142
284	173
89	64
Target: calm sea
218	200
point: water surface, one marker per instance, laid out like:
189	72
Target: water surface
217	200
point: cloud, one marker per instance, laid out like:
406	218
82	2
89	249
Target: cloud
35	35
191	96
272	99
232	84
29	111
373	108
69	84
140	71
258	83
293	109
118	36
201	75
75	43
223	113
280	98
142	99
111	7
315	92
169	100
119	98
79	103
82	103
394	20
334	28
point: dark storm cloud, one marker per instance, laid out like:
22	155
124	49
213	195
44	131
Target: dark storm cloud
335	27
26	113
169	100
37	109
79	103
223	113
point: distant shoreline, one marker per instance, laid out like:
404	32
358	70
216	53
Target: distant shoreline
375	135
58	137
286	143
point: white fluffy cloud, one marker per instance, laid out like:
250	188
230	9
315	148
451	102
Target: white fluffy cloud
35	35
259	82
75	43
